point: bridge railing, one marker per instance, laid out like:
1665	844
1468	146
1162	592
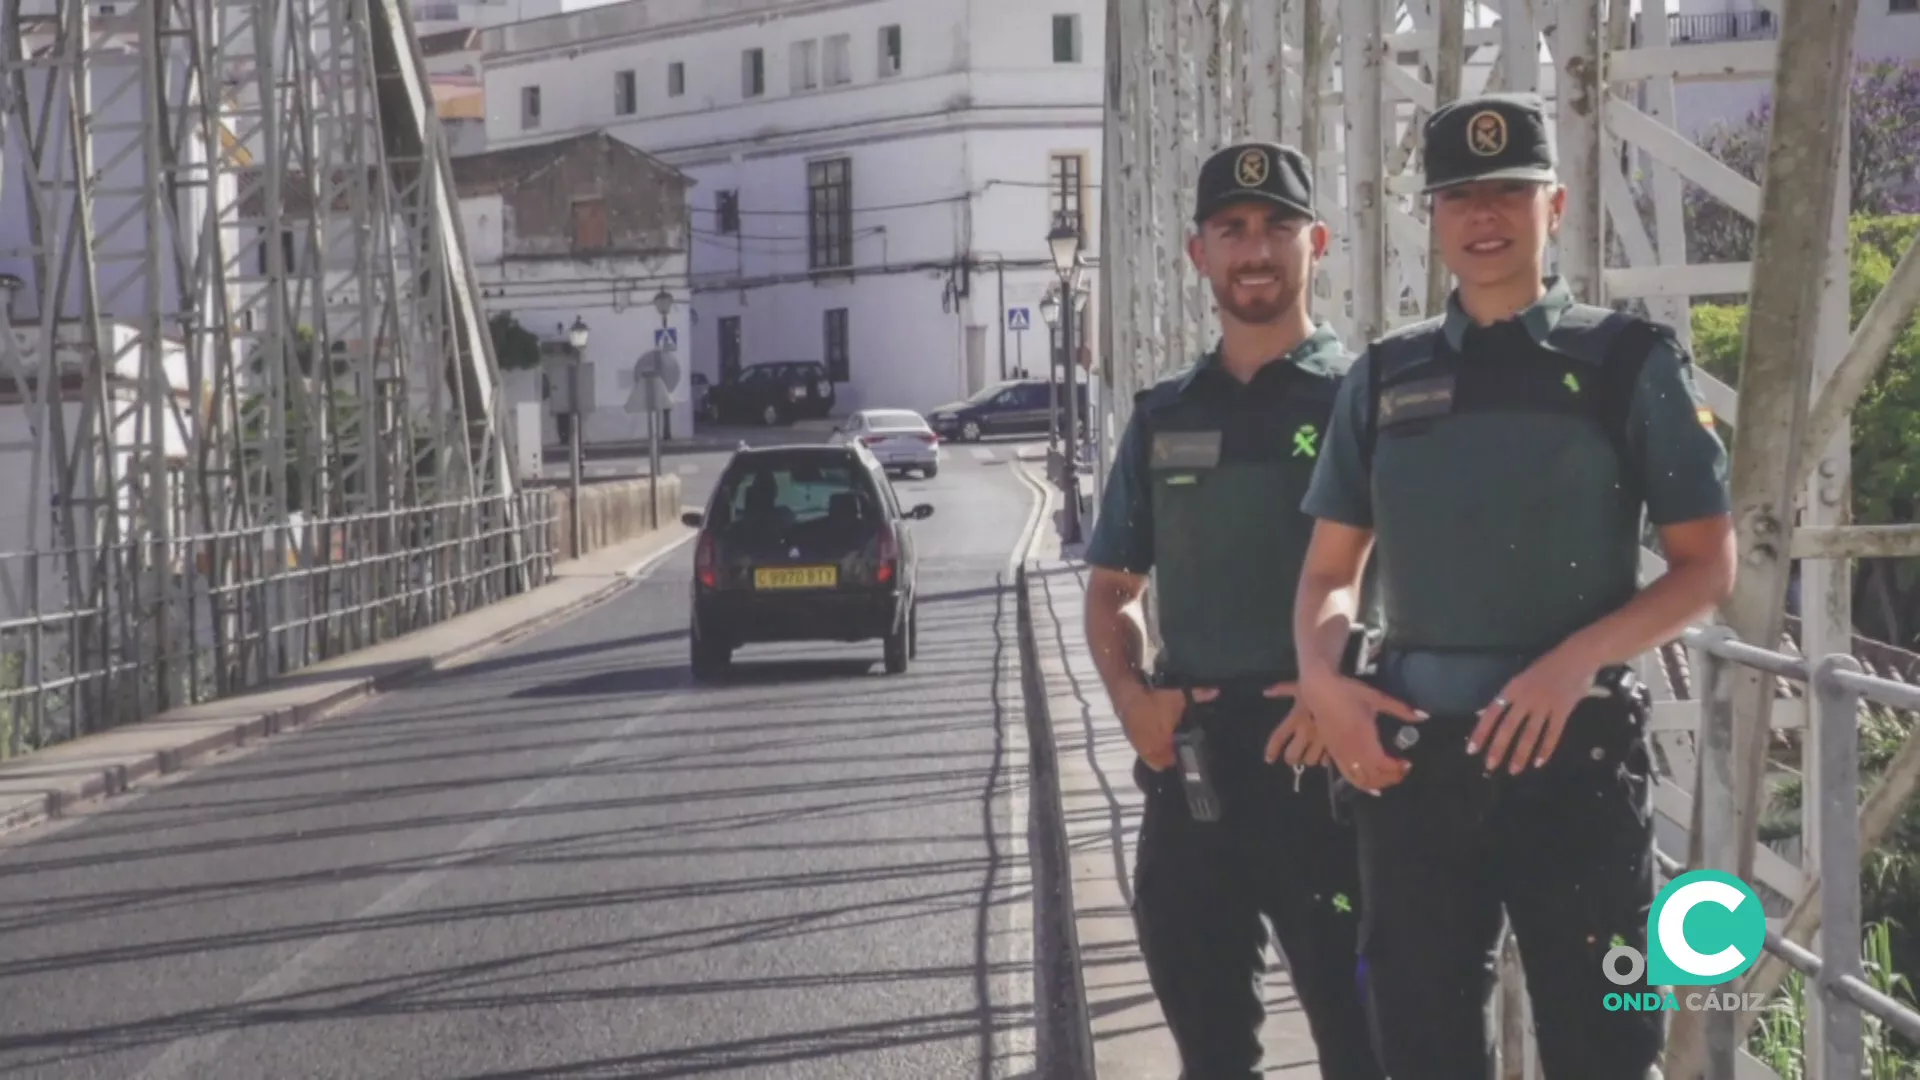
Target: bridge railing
239	607
1841	829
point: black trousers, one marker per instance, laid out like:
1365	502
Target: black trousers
1201	889
1566	851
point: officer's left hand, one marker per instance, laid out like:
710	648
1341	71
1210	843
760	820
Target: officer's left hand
1528	718
1297	737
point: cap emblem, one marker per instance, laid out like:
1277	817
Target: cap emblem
1251	167
1487	133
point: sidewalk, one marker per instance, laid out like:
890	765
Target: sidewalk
1101	807
40	785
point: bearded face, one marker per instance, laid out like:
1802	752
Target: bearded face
1258	259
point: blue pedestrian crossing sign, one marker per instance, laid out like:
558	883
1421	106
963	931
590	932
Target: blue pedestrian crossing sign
666	338
1019	318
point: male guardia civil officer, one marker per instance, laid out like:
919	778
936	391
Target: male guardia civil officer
1497	460
1204	495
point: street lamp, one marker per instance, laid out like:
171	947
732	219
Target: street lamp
662	303
1050	314
1064	244
576	373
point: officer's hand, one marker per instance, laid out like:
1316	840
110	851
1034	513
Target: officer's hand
1343	710
1297	738
1150	718
1528	718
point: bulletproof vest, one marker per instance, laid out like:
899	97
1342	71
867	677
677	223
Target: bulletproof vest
1505	491
1228	532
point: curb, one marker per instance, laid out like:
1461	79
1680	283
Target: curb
116	779
1063	1019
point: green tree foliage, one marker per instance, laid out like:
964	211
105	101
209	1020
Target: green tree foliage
514	346
1886	425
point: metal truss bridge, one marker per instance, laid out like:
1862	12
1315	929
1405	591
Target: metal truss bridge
240	437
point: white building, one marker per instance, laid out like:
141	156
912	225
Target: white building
1883	30
874	179
586	228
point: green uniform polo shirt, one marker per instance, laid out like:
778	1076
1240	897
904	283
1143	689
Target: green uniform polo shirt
1504	518
1205	494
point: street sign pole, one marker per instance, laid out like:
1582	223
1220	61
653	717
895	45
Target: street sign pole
655	375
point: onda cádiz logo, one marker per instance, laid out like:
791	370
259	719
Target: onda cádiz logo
1706	928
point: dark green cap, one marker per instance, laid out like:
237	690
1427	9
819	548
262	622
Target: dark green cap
1490	137
1265	171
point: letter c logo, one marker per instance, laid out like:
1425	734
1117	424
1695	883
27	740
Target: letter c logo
1733	920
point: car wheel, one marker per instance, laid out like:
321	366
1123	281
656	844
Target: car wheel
930	471
913	633
899	646
970	431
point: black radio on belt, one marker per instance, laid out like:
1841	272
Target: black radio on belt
1190	753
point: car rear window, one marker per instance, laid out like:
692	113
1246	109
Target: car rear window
797	492
895	420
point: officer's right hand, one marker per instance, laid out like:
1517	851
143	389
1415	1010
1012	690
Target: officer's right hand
1344	709
1150	718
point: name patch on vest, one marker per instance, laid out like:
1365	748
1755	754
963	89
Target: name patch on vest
1417	400
1186	449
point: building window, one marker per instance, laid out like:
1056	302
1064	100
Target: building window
889	50
753	73
1065	186
626	93
589	225
289	253
726	211
839	60
1903	7
1066	39
729	346
676	79
529	108
834	344
830	213
803	66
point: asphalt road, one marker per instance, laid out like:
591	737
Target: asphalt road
698	467
565	860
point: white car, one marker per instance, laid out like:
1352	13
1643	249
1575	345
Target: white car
900	438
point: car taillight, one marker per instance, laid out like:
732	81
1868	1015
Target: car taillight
889	557
871	440
929	437
703	563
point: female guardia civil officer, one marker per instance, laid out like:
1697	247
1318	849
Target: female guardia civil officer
1205	496
1498	459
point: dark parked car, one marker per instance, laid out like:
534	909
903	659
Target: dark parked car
1018	407
778	392
803	543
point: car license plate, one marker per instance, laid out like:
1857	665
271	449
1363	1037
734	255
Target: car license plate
796	577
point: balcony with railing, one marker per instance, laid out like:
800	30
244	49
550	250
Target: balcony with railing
1709	27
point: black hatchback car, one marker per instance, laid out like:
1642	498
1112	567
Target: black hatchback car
779	392
803	543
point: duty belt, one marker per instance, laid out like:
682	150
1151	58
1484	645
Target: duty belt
1233	687
1604	725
